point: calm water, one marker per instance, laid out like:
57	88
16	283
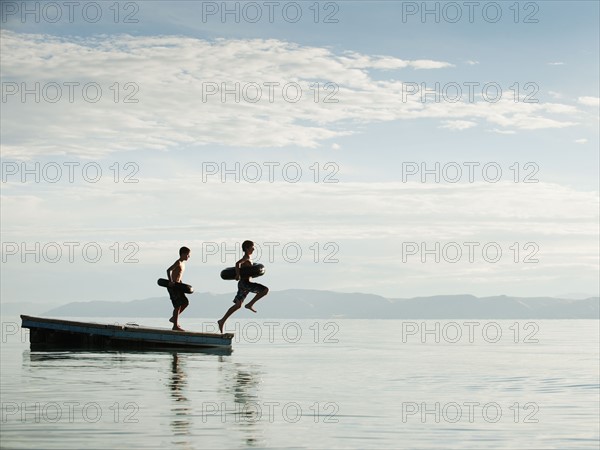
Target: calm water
315	384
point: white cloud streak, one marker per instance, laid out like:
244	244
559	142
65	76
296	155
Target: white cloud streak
589	101
172	72
458	124
349	210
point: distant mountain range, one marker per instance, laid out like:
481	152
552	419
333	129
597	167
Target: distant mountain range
312	304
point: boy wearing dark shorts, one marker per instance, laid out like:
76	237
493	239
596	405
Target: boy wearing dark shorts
178	298
245	286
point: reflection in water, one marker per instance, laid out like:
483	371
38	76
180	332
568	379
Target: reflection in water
233	388
240	382
243	382
180	409
79	360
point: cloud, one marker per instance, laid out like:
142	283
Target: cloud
348	210
556	63
589	101
499	131
581	141
458	125
366	223
429	64
126	93
357	60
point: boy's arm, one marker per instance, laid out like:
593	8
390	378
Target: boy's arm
170	269
237	267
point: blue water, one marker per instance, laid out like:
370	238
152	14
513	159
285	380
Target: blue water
314	384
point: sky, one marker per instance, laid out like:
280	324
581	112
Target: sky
395	148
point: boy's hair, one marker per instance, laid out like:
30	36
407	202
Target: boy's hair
246	245
184	251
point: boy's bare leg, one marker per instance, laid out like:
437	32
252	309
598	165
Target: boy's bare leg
229	312
175	318
256	298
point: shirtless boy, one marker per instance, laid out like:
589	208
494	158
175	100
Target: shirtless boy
178	298
244	285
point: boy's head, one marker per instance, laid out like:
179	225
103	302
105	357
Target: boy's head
247	245
184	253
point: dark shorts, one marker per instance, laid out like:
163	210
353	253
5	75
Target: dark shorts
245	287
178	298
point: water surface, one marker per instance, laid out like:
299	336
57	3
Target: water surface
314	384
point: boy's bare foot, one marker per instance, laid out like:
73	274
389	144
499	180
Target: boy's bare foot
177	328
220	323
249	306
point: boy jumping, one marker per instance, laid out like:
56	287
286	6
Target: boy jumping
244	285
